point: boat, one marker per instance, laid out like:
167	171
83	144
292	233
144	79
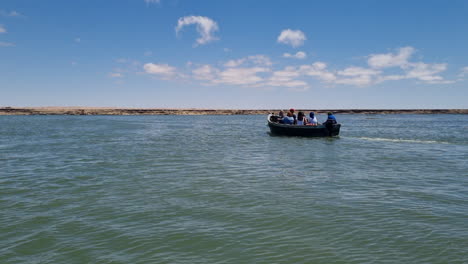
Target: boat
302	131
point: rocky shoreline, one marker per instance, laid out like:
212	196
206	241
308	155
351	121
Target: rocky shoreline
163	111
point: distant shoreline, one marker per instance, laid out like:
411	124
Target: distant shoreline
167	111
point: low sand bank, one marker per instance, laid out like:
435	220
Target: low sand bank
161	111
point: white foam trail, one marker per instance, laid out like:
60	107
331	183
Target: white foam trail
399	140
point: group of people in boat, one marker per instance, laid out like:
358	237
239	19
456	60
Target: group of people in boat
301	119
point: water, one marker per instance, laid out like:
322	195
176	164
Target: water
220	189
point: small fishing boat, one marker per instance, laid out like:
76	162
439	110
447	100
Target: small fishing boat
302	131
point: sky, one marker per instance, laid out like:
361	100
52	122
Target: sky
241	54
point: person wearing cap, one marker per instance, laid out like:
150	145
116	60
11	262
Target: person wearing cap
312	119
293	115
331	119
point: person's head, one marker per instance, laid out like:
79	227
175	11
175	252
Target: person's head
330	113
281	113
291	110
289	114
312	114
300	116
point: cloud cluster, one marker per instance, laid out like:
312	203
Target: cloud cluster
204	25
2	29
254	59
242	76
259	71
239	76
261	74
410	70
163	71
286	78
388	60
299	55
295	38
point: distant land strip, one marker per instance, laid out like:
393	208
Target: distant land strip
167	111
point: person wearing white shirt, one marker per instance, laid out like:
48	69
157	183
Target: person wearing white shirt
312	119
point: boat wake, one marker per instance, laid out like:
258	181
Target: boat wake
400	140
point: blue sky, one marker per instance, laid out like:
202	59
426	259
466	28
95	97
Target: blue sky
234	54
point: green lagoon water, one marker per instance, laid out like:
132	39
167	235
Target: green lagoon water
220	189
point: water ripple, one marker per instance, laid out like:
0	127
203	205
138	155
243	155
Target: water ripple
209	189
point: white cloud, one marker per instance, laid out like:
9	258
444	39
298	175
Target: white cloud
205	27
286	74
357	76
205	72
358	71
295	38
260	60
234	63
77	40
259	71
115	75
6	44
390	59
163	71
298	55
421	71
394	77
248	71
2	29
227	50
411	70
287	78
241	76
254	60
361	80
318	69
426	72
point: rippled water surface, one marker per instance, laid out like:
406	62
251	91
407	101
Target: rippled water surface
220	189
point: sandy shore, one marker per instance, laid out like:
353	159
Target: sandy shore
162	111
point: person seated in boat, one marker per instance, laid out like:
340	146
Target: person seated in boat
292	114
331	120
288	119
301	119
277	118
280	116
312	119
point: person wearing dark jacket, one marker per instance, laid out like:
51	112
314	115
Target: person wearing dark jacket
331	119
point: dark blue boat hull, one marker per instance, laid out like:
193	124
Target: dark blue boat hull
304	131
